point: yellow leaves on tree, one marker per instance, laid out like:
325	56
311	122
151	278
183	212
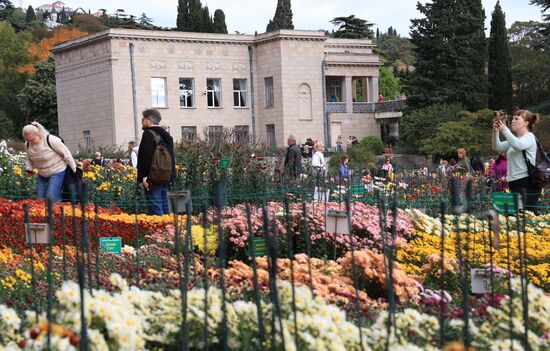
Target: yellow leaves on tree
41	50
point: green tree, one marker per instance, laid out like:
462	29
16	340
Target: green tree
466	132
6	8
38	99
7	129
388	84
31	16
144	21
183	22
207	26
421	124
352	27
219	22
500	63
395	51
13	54
87	23
544	27
282	18
530	64
451	54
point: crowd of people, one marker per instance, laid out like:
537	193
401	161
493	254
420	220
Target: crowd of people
154	160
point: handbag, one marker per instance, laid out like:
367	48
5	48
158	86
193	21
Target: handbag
71	182
539	174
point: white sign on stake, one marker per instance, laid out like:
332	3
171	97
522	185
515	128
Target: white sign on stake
321	194
37	233
337	222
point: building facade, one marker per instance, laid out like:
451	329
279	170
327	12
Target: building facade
264	86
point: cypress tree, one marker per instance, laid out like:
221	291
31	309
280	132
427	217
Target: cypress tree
206	21
500	63
282	18
183	22
219	22
451	49
31	16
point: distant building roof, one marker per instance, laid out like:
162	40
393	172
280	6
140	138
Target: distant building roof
57	6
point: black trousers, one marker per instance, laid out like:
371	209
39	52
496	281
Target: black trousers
532	192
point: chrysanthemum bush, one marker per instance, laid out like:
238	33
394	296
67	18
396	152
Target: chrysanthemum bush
425	246
128	318
366	229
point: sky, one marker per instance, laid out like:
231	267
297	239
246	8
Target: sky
248	16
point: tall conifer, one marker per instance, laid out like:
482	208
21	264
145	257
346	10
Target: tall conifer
451	49
282	18
500	63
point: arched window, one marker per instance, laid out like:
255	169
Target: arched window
304	102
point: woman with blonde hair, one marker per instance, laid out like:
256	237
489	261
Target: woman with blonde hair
318	160
519	146
49	155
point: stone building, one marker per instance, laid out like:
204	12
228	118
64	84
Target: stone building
265	86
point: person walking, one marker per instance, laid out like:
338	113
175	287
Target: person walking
339	143
519	139
149	166
49	155
293	158
133	150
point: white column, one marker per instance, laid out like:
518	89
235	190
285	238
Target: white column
374	89
365	85
349	95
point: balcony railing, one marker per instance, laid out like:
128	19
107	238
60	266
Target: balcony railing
336	107
368	107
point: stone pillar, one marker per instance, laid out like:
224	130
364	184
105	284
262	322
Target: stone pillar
374	89
349	95
365	85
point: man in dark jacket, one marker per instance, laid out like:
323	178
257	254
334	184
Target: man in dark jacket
155	194
293	159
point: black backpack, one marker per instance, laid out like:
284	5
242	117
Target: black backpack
539	174
161	164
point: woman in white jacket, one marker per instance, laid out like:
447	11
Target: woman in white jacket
318	160
523	140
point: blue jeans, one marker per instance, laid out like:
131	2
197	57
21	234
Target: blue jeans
50	187
157	199
339	148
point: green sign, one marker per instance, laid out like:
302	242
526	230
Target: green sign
499	199
357	189
260	249
111	245
225	162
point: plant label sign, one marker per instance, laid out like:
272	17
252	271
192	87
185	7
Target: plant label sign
111	245
260	248
337	222
357	189
37	233
500	199
225	162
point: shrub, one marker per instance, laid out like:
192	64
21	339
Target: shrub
373	144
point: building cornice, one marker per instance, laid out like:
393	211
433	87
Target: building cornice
353	64
205	38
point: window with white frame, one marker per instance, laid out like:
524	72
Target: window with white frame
214	92
335	90
239	92
241	134
187	92
269	95
189	133
158	92
87	139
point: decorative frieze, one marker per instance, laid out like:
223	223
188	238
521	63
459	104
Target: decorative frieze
158	65
89	69
213	67
185	66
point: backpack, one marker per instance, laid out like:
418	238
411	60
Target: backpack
161	163
539	174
